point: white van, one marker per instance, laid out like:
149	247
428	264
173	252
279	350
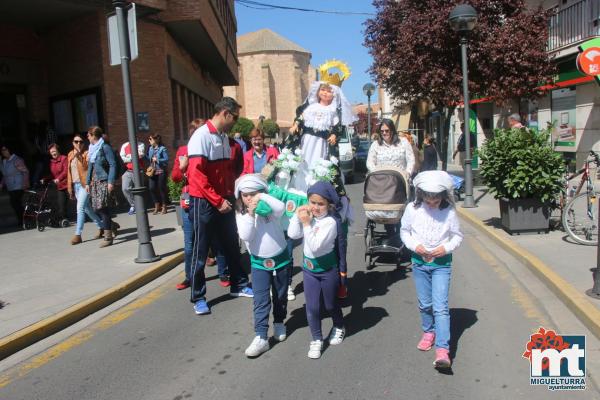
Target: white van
346	153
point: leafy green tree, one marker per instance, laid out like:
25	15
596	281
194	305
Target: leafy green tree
270	128
243	126
417	56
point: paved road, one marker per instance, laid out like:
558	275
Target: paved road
156	348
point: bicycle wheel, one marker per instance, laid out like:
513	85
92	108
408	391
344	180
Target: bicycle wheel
580	219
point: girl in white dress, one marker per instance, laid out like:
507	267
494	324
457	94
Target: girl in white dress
430	229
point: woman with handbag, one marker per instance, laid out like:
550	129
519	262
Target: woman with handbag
157	173
101	175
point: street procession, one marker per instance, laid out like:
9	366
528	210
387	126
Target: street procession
208	199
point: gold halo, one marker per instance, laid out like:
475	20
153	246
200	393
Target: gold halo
334	79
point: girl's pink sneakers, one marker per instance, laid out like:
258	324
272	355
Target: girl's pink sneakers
426	342
442	359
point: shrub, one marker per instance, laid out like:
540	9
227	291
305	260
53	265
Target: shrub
520	163
270	128
243	126
174	189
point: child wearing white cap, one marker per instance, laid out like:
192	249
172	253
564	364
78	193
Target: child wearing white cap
258	225
430	229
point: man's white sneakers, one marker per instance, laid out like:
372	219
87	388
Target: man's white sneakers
314	350
257	347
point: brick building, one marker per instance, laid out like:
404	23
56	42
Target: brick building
275	75
56	78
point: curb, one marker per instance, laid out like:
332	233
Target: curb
574	300
25	337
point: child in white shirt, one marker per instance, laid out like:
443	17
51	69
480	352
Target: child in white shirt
430	228
324	263
258	225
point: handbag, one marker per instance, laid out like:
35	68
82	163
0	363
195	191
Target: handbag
151	170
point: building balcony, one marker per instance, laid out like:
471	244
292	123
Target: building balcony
573	24
207	30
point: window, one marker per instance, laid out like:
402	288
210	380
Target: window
75	112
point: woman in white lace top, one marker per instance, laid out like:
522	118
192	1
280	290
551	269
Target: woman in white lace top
390	150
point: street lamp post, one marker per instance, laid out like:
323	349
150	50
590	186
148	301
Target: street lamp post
462	20
145	250
368	90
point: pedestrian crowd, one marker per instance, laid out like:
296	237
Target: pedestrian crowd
225	199
222	205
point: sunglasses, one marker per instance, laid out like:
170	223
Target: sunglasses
384	130
77	141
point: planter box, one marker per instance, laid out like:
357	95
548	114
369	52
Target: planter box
524	216
179	216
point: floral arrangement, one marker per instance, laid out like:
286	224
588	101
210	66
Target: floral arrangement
288	161
325	170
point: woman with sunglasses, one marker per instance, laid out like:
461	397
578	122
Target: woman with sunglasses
77	160
158	157
390	150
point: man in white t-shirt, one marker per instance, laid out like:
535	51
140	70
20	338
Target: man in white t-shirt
127	178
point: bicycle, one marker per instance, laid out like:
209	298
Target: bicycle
580	215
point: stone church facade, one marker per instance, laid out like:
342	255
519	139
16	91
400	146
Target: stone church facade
274	77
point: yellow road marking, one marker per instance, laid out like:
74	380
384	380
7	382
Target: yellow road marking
519	296
81	337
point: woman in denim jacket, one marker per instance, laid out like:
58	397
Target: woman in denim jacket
159	159
101	175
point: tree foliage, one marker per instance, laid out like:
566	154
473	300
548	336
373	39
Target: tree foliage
270	128
417	54
243	126
361	124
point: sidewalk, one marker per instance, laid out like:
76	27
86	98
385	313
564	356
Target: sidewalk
562	264
43	274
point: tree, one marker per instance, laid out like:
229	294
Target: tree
417	55
361	125
270	128
243	126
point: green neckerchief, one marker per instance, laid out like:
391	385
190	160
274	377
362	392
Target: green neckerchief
263	209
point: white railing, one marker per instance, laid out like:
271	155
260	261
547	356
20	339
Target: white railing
573	24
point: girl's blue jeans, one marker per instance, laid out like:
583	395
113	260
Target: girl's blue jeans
432	284
84	207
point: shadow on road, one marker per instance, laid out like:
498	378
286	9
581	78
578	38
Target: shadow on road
153	233
461	319
362	286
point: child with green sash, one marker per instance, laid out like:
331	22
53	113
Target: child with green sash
324	266
257	218
430	229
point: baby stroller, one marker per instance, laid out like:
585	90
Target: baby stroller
38	210
385	197
459	187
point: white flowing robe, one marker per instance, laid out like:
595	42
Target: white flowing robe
319	118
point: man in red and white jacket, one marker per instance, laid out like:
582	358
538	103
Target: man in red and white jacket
127	178
211	179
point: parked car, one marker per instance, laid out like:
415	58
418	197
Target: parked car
346	155
361	155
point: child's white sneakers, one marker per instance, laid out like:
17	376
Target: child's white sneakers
279	331
314	350
290	294
257	347
336	336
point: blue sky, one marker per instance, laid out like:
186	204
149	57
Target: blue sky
326	36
